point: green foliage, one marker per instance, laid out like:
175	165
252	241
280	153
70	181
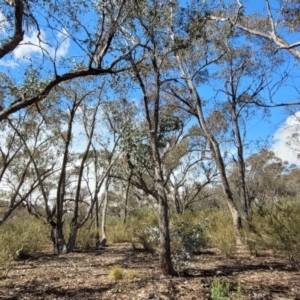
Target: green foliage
24	236
145	229
220	231
20	238
117	231
187	239
275	229
86	238
149	237
219	290
222	290
6	262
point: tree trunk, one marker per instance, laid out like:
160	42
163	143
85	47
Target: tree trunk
127	196
72	236
196	106
57	236
104	212
97	238
164	235
241	165
176	200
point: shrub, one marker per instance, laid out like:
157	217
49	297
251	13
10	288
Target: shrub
144	225
186	239
117	231
220	290
219	232
277	229
20	238
6	262
86	238
24	236
149	237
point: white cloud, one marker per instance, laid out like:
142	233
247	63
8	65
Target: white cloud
34	43
8	63
64	41
30	45
285	147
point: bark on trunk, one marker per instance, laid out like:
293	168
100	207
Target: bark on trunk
97	238
164	235
127	196
72	236
196	106
104	212
241	165
57	236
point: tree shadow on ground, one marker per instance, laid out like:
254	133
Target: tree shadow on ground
226	270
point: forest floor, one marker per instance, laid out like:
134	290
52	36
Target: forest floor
85	275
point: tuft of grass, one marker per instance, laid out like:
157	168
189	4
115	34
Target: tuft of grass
116	272
132	274
219	290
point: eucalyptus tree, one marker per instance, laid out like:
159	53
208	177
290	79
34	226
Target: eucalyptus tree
36	37
272	27
217	84
201	51
188	181
187	167
277	25
150	15
72	107
117	128
26	161
241	77
265	173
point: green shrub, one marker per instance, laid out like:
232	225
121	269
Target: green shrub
219	290
145	229
6	262
277	229
86	238
20	238
222	290
148	236
186	240
117	231
24	236
219	232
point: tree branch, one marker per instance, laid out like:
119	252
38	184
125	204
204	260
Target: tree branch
14	41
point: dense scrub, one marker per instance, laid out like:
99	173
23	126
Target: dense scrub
275	229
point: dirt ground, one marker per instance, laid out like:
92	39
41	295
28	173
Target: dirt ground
83	276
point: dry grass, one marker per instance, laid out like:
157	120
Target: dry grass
116	272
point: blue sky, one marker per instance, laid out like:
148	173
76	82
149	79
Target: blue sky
279	125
